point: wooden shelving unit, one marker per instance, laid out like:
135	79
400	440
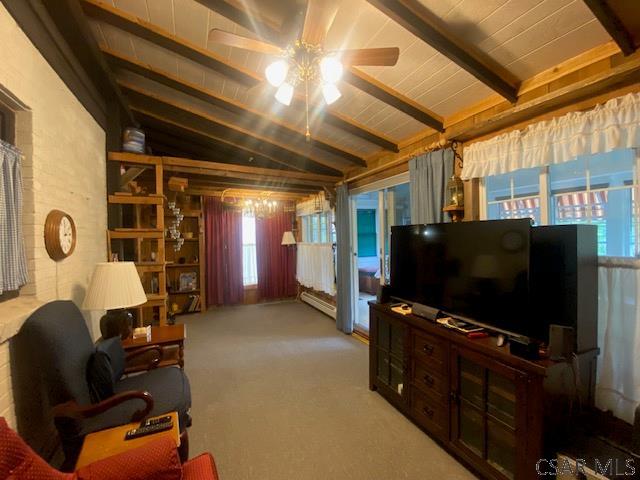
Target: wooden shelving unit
190	257
142	239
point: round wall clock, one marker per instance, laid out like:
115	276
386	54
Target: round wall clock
59	235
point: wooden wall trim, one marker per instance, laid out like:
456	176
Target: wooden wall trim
581	88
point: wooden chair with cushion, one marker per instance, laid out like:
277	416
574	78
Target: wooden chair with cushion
60	343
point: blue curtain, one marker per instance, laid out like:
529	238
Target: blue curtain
344	318
428	177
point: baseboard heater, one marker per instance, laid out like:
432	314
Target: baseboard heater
319	304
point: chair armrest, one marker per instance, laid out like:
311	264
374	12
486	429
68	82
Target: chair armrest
144	350
72	409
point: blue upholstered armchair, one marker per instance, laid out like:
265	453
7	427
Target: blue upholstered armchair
61	345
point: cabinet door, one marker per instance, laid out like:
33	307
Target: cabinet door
388	362
488	414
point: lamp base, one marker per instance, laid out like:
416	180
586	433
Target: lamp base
116	323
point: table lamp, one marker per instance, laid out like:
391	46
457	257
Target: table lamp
114	287
288	238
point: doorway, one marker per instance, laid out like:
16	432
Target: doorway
373	213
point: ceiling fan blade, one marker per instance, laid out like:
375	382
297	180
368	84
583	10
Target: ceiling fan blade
318	20
384	57
238	41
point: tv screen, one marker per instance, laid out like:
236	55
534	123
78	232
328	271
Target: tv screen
478	271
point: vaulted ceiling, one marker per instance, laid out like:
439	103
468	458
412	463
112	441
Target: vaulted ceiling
208	101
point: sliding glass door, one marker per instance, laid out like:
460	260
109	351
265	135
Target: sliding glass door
374	212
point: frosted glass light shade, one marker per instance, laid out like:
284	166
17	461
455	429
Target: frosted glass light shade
285	94
331	69
114	285
276	72
330	93
288	239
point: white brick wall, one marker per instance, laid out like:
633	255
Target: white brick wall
64	169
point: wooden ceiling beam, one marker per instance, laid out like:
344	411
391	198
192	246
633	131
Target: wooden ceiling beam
235	183
367	84
200	145
252	119
143	29
330	116
418	20
233	134
193	147
313	178
244	192
251	20
144	115
338	120
612	24
207	168
240	149
379	90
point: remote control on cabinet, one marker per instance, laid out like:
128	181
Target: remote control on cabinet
148	430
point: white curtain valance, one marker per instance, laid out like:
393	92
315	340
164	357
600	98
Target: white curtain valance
315	267
613	125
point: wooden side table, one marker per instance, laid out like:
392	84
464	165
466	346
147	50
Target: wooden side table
169	337
106	443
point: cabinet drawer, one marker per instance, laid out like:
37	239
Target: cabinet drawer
424	378
429	350
429	414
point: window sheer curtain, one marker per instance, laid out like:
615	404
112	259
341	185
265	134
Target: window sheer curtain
618	385
315	267
428	177
13	260
610	126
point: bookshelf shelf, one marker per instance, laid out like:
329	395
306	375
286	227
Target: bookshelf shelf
188	260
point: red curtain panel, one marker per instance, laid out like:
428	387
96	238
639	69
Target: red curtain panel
276	262
223	248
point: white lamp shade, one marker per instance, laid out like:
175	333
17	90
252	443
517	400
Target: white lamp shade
330	69
114	285
288	238
285	94
330	93
276	72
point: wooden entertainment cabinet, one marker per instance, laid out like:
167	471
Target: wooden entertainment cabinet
484	405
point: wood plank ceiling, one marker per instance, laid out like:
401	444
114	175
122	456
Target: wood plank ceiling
208	101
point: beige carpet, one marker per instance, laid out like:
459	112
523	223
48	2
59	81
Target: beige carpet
279	393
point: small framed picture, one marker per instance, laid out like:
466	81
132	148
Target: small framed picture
188	281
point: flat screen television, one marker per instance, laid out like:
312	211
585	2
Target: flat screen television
476	271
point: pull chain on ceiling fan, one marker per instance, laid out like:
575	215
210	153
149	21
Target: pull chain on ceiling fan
306	61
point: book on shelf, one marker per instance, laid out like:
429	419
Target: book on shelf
192	304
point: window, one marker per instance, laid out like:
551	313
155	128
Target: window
249	267
367	233
595	189
514	195
318	228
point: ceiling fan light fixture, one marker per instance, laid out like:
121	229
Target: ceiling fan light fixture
276	72
285	94
331	69
330	93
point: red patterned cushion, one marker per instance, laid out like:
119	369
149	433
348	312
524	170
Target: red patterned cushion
201	467
18	461
157	460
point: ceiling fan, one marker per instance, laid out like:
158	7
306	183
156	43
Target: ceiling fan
306	61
